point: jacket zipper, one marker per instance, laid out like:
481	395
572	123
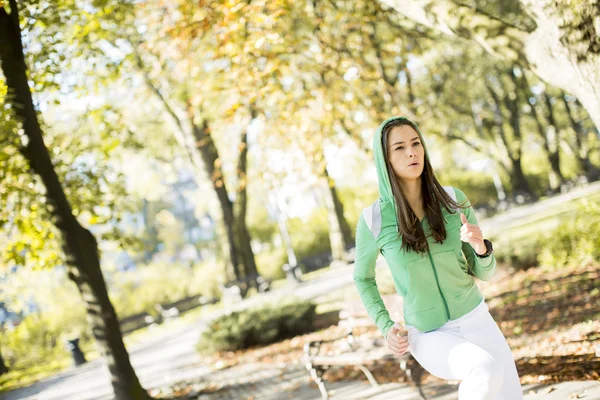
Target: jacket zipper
436	278
438	284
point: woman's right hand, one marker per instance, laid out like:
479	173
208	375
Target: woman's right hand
397	340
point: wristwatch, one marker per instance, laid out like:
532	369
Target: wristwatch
488	246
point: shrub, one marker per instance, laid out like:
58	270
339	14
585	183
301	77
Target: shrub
520	254
258	326
576	241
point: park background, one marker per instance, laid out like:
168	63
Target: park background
194	146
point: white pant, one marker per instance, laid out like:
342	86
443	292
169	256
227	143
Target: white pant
471	349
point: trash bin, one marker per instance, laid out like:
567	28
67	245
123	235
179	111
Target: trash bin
73	347
263	285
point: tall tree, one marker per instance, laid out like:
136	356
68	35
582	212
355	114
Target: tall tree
558	39
196	106
241	203
79	244
480	108
194	134
511	100
581	142
252	55
365	50
359	64
164	57
340	232
549	132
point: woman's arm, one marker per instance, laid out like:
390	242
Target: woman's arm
364	277
483	268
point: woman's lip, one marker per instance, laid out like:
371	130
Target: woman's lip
414	165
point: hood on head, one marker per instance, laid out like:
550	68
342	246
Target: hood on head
385	188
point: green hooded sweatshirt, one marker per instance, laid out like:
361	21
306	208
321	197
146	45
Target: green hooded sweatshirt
437	286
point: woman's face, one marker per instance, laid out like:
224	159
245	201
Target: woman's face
404	149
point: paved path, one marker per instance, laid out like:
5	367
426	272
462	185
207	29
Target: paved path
524	215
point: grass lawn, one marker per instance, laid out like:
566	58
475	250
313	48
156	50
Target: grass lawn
21	376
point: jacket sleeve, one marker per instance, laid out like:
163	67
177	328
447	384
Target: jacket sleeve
483	268
364	277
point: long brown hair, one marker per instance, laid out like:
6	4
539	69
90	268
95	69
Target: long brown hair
434	196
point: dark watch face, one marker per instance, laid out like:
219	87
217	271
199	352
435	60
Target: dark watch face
488	245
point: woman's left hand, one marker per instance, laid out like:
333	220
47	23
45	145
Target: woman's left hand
472	234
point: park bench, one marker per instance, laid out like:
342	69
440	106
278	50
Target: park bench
164	312
237	289
134	322
173	310
360	353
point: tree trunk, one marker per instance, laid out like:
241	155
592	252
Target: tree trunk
559	65
513	152
203	142
340	234
240	250
3	367
238	238
549	135
541	46
553	144
581	150
221	249
78	243
241	205
212	163
520	184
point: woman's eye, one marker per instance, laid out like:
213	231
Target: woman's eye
400	148
417	143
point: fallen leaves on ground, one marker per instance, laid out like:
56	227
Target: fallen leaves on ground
551	321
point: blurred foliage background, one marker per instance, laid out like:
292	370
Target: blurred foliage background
209	142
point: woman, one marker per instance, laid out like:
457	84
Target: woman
428	235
